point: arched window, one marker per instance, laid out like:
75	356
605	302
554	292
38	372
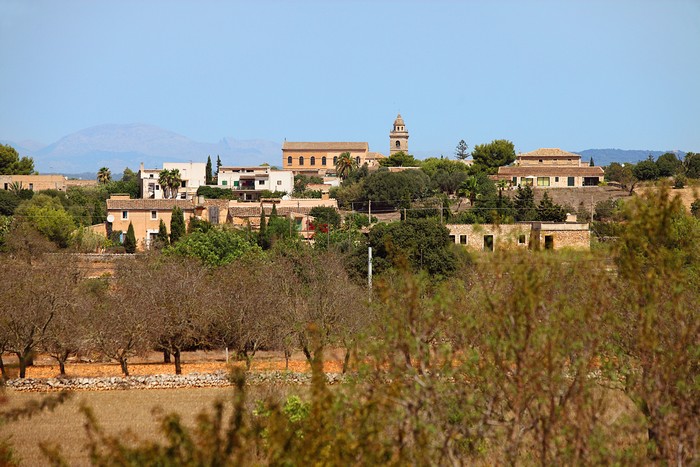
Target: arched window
357	159
335	160
323	160
289	160
398	143
301	160
313	160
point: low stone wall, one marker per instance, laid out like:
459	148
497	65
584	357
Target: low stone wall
193	380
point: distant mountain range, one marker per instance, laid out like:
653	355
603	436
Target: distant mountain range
120	146
82	153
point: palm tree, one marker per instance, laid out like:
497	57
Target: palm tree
470	190
104	176
164	180
344	165
175	182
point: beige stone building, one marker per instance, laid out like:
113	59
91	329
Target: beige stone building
34	182
321	157
398	137
526	235
550	168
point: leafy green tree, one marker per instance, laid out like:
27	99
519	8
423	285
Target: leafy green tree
212	192
524	204
623	174
215	247
12	164
548	211
344	165
461	152
8	202
208	175
390	190
695	208
691	165
47	215
326	215
400	159
668	164
424	243
129	176
177	225
646	170
445	175
495	154
469	189
130	240
104	175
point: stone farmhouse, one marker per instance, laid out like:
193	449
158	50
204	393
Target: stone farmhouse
527	235
550	168
42	182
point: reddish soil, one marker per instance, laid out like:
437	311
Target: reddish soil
192	362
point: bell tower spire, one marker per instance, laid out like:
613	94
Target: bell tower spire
398	137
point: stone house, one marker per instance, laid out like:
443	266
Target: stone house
526	235
550	168
35	182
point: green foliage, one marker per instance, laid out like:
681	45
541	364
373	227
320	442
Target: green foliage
88	241
12	164
344	166
212	192
679	181
548	211
177	225
357	220
104	175
400	159
8	202
495	154
461	152
695	208
301	180
326	215
390	190
208	174
423	243
445	175
215	247
691	165
129	176
524	204
162	240
348	194
668	164
130	240
646	170
47	215
130	187
272	194
198	225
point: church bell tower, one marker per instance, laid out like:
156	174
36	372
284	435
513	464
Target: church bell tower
398	137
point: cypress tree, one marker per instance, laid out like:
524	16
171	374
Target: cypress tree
130	240
262	233
273	213
218	166
177	225
208	177
591	164
162	238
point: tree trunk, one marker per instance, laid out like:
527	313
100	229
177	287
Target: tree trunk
62	367
166	356
287	354
3	372
125	366
305	349
22	358
178	366
346	360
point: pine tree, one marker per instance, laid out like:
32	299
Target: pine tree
177	225
548	211
461	150
524	204
162	237
208	177
130	240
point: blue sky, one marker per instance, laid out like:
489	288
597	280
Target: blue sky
570	74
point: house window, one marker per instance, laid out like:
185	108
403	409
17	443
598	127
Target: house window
224	182
570	181
526	181
452	238
515	180
488	242
357	159
521	239
323	160
31	186
542	181
157	187
261	182
335	160
313	160
125	214
150	176
6	186
279	182
549	242
398	144
236	183
301	160
154	215
540	161
462	239
183	184
556	179
289	160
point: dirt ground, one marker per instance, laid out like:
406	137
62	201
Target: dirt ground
192	362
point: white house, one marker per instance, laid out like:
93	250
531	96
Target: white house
248	182
193	175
